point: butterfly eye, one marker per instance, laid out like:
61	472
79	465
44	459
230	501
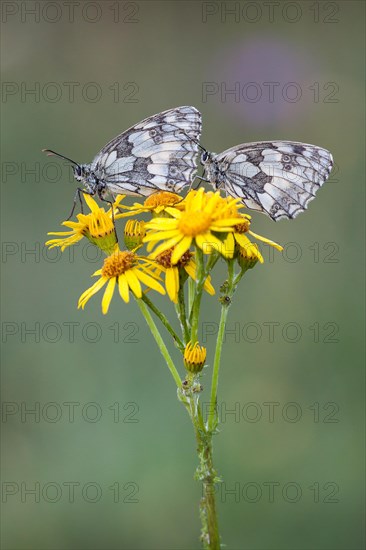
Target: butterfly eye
204	156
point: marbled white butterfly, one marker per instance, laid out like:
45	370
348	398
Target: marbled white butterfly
156	154
278	178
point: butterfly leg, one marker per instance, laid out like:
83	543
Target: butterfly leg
101	196
78	196
201	179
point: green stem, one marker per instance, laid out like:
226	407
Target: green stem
181	313
195	311
238	278
206	473
159	341
164	320
210	528
191	287
202	274
211	421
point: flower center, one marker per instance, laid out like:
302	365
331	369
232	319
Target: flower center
162	198
194	223
164	259
242	227
118	263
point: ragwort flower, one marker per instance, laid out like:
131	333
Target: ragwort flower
246	248
204	215
97	226
194	357
127	270
156	204
134	233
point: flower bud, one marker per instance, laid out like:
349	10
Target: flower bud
194	357
134	233
248	256
101	231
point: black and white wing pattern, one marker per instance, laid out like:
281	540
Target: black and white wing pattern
156	154
278	178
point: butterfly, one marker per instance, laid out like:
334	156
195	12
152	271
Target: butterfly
278	178
156	154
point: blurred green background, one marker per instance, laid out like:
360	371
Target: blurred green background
107	417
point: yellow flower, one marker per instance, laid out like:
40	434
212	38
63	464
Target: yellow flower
194	357
186	263
249	255
126	269
97	226
155	203
204	215
134	233
246	248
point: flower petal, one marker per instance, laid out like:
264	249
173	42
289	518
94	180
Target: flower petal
230	243
180	249
242	240
93	205
162	224
225	224
208	286
133	282
87	294
124	290
191	268
107	296
172	283
149	281
267	241
166	245
209	242
60	233
173	212
160	235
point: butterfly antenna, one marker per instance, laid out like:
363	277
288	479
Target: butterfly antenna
194	141
51	153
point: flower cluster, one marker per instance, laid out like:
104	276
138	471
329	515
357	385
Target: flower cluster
180	230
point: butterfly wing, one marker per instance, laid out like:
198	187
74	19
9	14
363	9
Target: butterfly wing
156	154
278	178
